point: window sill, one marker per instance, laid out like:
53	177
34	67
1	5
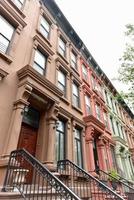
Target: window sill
78	109
86	82
63	58
5	57
44	38
75	70
65	100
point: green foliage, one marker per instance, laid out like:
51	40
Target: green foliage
126	70
114	176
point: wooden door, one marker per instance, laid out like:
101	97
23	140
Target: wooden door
27	140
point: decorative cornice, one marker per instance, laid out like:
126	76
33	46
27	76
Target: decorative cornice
94	121
3	73
28	71
7	8
43	44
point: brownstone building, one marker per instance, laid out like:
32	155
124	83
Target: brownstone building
53	93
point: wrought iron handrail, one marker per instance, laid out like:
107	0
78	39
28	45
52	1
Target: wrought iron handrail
120	185
118	180
32	179
84	184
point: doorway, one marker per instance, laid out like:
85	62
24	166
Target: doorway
28	137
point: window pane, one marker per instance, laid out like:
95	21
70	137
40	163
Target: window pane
61	77
44	27
60	140
60	126
62	47
84	71
3	44
73	60
38	69
6	28
62	44
75	90
78	148
39	62
87	100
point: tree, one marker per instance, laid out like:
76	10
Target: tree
126	70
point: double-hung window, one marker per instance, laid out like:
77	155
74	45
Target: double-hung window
112	124
105	119
62	47
93	82
6	33
76	100
84	73
98	112
45	27
78	147
40	62
60	140
73	60
88	106
62	81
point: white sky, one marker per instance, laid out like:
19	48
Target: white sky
101	25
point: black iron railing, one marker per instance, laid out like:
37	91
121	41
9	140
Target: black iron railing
118	183
83	184
28	176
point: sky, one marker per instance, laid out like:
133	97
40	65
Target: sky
101	26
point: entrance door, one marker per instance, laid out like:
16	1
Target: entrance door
27	140
28	137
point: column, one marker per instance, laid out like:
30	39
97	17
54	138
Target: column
50	157
89	148
51	129
101	155
15	126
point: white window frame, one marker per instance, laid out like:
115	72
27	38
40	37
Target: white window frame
41	68
4	34
45	27
73	60
88	104
75	95
61	84
62	47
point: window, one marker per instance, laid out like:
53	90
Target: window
45	27
6	33
100	89
88	106
18	3
84	72
73	60
62	47
118	129
78	147
93	82
62	81
98	113
112	124
113	157
76	101
60	140
106	97
40	62
105	119
112	103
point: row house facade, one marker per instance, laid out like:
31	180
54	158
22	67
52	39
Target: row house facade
53	93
